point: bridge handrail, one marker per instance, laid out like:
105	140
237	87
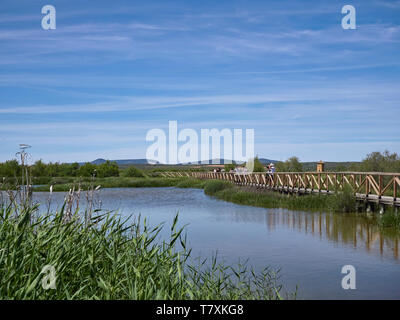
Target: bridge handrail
367	184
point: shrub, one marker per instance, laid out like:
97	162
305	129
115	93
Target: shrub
108	169
87	170
133	172
10	168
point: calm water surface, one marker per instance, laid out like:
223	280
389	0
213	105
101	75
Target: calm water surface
310	248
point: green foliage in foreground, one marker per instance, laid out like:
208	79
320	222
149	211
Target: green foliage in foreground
110	259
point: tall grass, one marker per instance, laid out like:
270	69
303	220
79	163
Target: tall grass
343	201
109	258
211	187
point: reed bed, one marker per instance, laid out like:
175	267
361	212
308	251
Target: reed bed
105	257
339	202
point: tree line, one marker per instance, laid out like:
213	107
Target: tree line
12	168
373	162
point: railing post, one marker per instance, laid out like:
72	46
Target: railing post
319	182
327	182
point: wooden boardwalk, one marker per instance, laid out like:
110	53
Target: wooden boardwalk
375	187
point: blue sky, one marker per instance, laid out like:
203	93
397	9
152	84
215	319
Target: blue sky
112	70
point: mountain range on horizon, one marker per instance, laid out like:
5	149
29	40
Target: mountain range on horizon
307	165
144	161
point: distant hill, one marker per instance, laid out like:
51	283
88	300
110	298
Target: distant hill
267	161
307	166
212	161
125	162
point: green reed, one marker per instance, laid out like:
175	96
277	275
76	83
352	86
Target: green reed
111	258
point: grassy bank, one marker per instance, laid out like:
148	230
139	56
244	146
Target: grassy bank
270	199
62	184
340	202
107	258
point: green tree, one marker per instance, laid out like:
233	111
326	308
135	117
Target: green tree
71	169
133	172
10	168
39	169
258	166
381	162
108	169
53	169
340	168
290	165
87	170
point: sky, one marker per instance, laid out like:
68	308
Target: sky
113	70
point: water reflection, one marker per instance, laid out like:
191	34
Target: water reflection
358	231
354	230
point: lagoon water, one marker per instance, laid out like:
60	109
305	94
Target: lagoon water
309	248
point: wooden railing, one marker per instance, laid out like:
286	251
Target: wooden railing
370	186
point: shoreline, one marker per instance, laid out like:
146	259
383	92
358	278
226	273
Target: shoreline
338	203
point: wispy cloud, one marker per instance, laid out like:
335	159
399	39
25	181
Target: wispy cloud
389	4
131	103
109	72
321	69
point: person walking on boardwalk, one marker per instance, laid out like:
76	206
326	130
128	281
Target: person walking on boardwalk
272	169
